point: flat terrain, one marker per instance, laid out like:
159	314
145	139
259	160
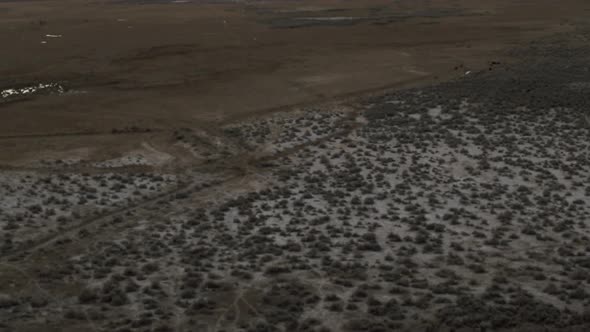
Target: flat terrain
294	165
163	65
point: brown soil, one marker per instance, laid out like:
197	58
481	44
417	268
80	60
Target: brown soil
168	66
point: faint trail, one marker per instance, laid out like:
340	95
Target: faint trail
45	293
70	231
80	133
82	168
236	168
187	187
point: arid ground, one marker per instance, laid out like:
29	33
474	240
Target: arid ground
321	165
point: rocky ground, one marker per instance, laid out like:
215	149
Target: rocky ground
460	206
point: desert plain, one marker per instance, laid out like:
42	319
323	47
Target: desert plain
321	165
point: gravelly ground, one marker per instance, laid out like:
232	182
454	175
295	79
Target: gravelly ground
461	205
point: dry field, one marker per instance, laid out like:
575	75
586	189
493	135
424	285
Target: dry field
322	165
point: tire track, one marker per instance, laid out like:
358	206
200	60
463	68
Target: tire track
79	134
241	165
